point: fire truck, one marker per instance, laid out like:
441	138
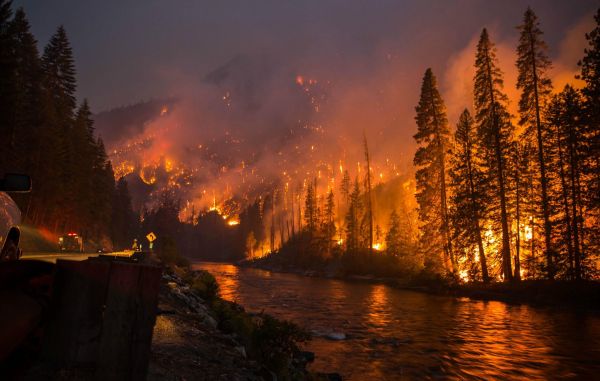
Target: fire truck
71	242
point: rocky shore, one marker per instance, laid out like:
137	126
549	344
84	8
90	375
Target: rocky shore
191	340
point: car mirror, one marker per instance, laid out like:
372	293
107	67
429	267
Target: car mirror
13	182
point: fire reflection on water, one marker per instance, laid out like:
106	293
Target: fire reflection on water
399	334
377	311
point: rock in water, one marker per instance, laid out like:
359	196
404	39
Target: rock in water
336	336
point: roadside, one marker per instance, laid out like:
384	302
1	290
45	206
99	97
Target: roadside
207	338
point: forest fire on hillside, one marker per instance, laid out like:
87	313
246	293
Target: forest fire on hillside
248	140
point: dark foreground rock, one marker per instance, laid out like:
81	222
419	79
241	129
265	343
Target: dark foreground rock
188	345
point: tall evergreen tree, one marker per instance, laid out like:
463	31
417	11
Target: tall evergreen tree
345	187
433	139
27	118
393	238
59	69
535	86
468	196
7	83
369	214
565	112
59	89
353	218
123	220
495	133
559	164
310	210
329	221
590	73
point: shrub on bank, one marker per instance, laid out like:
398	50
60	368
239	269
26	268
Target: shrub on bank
168	253
270	341
205	285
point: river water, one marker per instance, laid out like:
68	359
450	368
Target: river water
391	334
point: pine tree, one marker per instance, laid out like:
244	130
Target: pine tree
27	118
27	77
81	168
59	68
310	210
529	208
430	159
354	217
559	165
369	214
495	133
7	85
123	221
468	196
392	237
329	221
565	112
533	64
590	73
518	167
59	107
345	186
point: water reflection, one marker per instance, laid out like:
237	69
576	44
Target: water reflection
378	307
395	334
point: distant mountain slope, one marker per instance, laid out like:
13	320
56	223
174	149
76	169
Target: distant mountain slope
129	121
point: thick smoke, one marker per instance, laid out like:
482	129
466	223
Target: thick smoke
294	101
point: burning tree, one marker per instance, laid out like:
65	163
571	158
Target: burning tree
467	200
430	159
494	131
536	87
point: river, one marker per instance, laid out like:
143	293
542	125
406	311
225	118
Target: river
391	334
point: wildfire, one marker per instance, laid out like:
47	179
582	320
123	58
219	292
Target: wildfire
377	246
528	233
233	222
147	175
168	165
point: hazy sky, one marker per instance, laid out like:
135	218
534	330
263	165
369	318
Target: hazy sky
127	51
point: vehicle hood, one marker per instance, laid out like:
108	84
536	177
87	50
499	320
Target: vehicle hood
10	216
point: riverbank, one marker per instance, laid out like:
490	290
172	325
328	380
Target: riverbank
202	337
583	295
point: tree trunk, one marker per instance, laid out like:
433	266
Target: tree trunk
517	274
546	213
565	201
506	266
369	201
574	201
482	258
443	203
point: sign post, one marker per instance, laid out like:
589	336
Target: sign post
151	237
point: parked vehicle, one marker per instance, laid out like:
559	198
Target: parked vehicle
71	242
10	215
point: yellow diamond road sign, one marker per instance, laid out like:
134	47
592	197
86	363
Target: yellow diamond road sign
151	237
